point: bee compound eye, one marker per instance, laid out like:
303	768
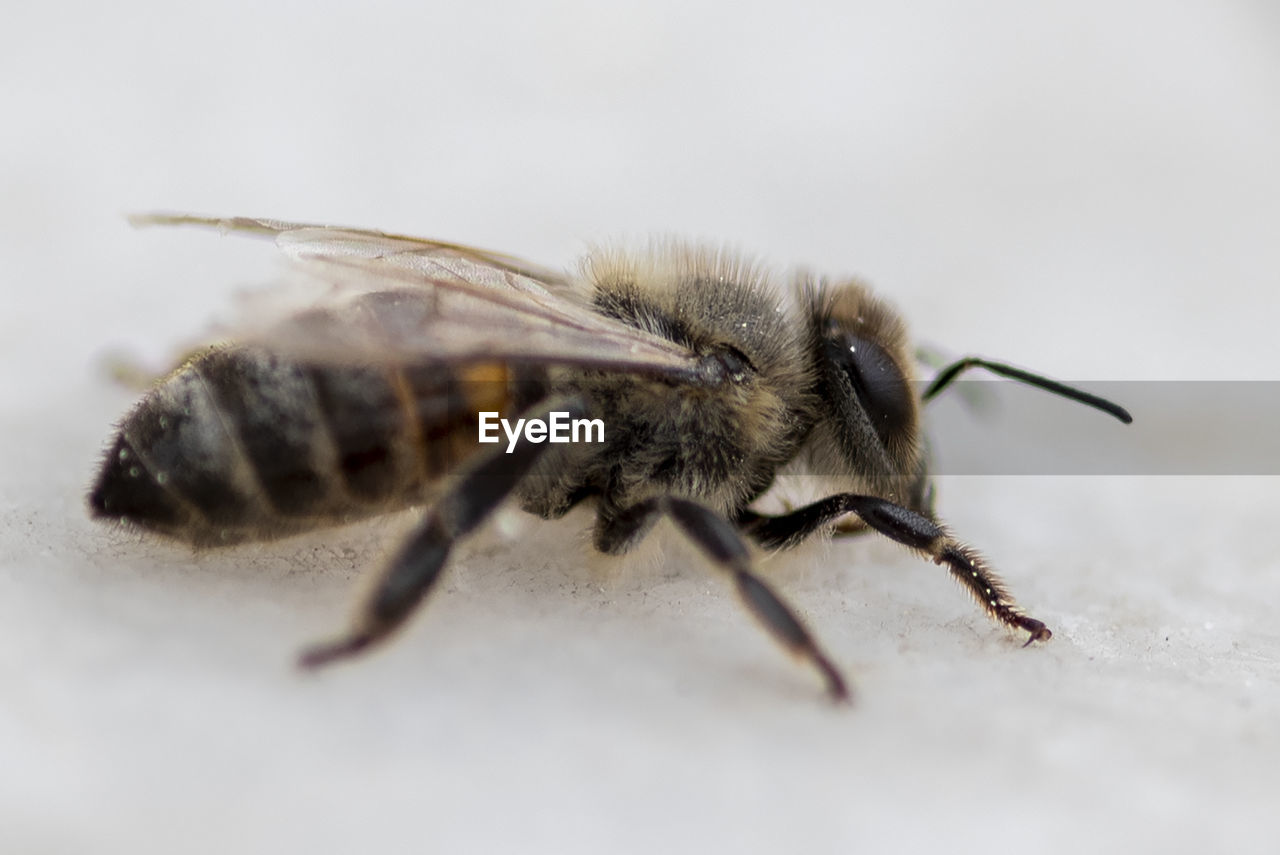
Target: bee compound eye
878	383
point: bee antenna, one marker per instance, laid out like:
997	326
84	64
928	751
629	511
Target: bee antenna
953	370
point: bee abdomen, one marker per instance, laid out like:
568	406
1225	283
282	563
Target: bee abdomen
125	489
223	450
239	445
242	445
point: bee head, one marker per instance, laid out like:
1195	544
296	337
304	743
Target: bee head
865	381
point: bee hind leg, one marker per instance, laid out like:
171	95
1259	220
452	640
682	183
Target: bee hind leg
722	543
411	575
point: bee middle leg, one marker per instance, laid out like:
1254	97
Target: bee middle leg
722	543
912	530
413	572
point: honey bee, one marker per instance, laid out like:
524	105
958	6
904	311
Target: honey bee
704	376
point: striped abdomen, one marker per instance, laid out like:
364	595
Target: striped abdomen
240	445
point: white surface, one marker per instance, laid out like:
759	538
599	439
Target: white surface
1091	190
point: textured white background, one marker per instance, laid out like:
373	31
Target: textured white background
1090	189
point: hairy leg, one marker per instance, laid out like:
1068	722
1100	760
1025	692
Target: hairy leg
912	530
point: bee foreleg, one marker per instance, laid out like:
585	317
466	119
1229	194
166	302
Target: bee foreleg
849	528
413	572
911	530
789	529
718	539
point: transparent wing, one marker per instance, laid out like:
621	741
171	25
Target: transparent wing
410	253
395	299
